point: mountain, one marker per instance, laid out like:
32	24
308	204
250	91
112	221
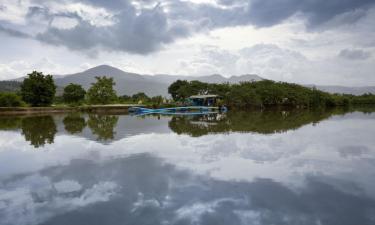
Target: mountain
131	83
10	86
126	83
345	90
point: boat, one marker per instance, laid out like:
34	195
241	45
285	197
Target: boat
188	110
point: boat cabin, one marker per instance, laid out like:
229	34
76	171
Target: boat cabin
203	100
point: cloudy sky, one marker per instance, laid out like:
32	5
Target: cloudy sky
303	41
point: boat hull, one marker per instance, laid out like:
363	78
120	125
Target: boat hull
184	109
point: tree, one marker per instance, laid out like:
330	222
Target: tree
198	88
243	95
140	96
125	98
73	93
102	91
157	99
38	89
175	89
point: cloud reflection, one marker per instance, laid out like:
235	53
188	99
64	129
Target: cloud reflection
317	173
142	189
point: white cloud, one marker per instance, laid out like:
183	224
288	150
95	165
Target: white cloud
299	54
67	186
249	217
195	211
64	22
95	15
14	11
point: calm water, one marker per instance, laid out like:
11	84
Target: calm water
274	167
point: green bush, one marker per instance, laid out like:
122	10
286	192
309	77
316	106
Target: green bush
10	100
140	96
125	99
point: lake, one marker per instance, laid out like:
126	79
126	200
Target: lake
254	167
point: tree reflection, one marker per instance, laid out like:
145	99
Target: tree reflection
10	123
103	126
39	130
264	122
74	123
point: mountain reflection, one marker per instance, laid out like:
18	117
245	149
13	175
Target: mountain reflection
142	189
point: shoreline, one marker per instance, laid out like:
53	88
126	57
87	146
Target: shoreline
115	108
124	108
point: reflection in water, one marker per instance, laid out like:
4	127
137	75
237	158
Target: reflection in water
74	123
10	123
264	122
249	170
103	126
39	130
142	189
106	128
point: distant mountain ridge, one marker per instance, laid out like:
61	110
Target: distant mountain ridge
130	83
345	90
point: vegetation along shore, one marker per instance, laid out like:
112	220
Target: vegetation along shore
38	94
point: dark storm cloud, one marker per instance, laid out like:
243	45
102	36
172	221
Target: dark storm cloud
45	14
36	11
265	13
143	31
134	33
354	54
269	12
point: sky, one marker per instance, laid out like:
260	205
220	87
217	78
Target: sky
323	42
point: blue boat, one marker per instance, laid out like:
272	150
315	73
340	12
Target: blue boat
188	110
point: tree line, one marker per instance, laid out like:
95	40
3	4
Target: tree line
265	93
39	90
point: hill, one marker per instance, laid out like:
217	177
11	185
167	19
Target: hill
131	83
10	86
345	90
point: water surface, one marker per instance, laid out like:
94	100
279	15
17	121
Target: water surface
270	167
